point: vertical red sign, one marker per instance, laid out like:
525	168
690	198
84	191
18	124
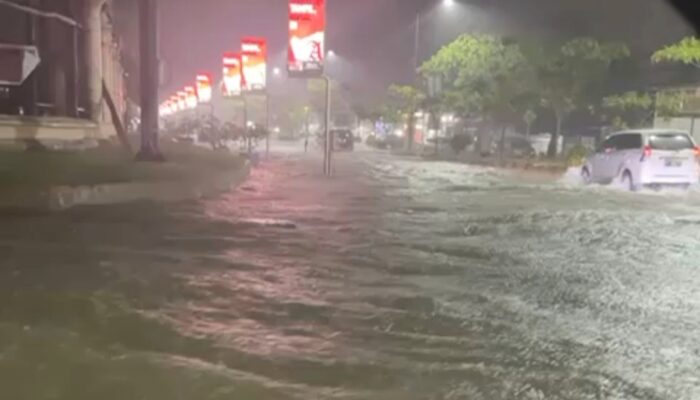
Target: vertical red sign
233	74
254	57
182	100
203	86
190	97
307	36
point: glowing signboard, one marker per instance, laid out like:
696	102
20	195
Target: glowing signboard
254	57
204	88
233	75
181	101
307	33
174	106
190	97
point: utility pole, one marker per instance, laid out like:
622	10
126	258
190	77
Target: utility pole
247	134
267	122
150	80
328	151
306	129
416	44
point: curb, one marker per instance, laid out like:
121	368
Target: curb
61	198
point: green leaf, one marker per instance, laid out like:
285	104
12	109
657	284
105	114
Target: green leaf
687	51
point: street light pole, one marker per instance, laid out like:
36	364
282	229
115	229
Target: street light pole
419	20
267	122
416	44
328	150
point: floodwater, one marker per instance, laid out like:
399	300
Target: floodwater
397	279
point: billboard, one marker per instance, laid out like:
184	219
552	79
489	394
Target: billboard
203	86
307	35
254	57
190	97
174	104
233	75
164	110
181	101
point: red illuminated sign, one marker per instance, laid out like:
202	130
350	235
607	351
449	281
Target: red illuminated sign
190	97
307	32
181	100
204	89
254	57
233	75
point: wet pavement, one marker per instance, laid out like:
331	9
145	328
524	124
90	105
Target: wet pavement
397	279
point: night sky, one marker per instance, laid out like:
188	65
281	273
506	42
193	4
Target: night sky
374	38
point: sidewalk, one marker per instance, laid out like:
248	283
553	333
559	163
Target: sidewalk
106	175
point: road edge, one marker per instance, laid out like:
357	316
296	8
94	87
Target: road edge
60	198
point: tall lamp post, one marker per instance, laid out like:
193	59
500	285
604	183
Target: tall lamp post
417	36
276	73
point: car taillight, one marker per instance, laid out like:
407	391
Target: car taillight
697	152
646	153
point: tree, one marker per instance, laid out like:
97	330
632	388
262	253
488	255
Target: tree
407	100
631	109
687	51
566	74
628	109
486	75
529	118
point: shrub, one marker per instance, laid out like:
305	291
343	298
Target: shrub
576	157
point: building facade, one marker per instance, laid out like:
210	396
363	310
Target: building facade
77	51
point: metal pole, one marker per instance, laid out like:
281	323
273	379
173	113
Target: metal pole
267	122
306	129
246	131
328	153
74	81
416	44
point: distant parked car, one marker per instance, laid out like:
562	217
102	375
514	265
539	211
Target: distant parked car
343	139
645	158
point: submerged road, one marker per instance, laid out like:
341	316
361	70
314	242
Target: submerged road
397	279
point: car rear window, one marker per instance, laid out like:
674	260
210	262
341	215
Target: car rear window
670	141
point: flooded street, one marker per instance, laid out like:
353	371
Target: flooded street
397	279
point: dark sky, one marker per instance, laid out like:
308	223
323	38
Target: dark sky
374	38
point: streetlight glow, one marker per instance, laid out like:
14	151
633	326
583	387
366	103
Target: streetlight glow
276	71
448	3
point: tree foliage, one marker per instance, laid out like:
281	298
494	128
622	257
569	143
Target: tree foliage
483	73
628	109
687	51
566	74
406	98
670	104
632	109
405	101
629	101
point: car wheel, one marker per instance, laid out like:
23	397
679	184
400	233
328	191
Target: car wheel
628	181
586	176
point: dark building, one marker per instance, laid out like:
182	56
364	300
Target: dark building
76	50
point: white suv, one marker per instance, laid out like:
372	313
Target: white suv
646	157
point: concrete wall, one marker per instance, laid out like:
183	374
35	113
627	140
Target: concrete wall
46	129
